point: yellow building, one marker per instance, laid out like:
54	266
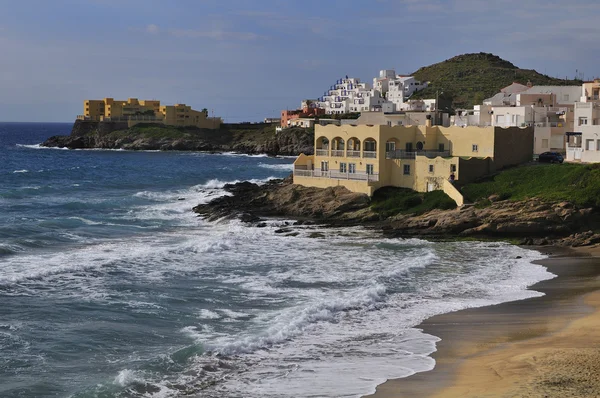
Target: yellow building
135	111
364	158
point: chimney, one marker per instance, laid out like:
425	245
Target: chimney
428	121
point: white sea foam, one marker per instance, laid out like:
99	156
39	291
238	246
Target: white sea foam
39	146
260	155
208	314
127	377
21	171
284	167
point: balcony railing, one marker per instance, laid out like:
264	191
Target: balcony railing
353	154
402	154
333	174
337	153
370	154
322	152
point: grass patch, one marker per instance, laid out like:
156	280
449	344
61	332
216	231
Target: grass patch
576	183
389	201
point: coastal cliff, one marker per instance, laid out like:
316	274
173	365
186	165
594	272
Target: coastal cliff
531	222
243	138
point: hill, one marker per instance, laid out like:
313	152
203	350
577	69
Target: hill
468	79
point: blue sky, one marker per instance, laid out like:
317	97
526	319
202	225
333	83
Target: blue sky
248	59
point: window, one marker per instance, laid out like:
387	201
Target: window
390	146
583	121
352	168
589	145
409	147
598	145
343	168
431	168
407	169
324	166
544	143
441	147
453	168
370	168
475	148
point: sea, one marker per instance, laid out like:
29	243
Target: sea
110	286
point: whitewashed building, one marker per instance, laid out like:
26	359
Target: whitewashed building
583	141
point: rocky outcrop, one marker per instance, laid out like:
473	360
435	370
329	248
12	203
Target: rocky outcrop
250	202
531	222
243	138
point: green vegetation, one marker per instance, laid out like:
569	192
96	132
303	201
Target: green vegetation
576	183
389	201
468	79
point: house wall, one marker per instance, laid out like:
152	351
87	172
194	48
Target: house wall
512	146
470	169
549	139
352	185
590	144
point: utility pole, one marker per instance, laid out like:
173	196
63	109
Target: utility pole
437	106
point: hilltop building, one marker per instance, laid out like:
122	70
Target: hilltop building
134	111
364	158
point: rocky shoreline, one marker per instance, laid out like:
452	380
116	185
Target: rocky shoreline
530	222
242	138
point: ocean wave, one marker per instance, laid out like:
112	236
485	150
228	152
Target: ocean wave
259	155
21	171
297	320
39	146
283	167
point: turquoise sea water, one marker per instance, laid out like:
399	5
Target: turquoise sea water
111	287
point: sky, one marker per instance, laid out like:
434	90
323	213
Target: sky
245	60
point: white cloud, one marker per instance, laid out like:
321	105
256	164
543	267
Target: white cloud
153	29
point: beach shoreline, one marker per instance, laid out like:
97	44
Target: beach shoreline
537	347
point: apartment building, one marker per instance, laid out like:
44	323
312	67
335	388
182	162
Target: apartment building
364	158
134	111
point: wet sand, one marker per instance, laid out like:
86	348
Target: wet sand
546	346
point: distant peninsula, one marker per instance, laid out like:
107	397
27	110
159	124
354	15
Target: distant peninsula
249	138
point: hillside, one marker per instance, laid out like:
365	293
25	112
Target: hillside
468	79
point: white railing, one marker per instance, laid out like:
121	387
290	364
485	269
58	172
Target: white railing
337	153
370	154
353	154
333	174
322	152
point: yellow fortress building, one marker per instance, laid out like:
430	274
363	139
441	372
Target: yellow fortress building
135	111
364	158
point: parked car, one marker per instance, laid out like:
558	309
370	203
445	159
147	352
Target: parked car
551	157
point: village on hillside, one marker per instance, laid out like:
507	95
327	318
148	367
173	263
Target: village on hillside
370	136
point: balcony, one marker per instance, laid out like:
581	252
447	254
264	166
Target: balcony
322	152
337	153
333	174
353	154
370	154
402	154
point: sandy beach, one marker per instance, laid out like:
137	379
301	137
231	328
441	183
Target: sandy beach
547	346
